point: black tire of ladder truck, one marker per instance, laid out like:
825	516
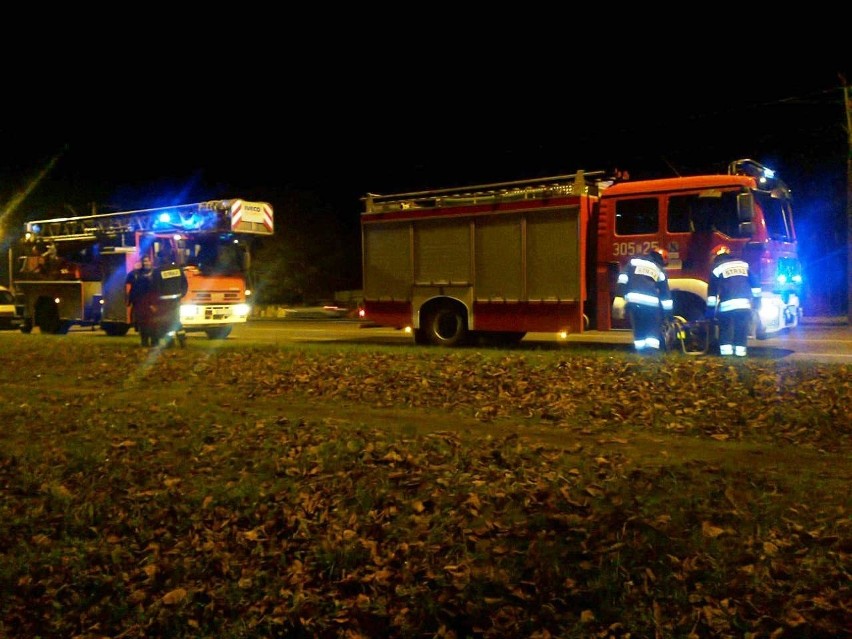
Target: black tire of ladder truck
219	332
446	326
47	316
115	329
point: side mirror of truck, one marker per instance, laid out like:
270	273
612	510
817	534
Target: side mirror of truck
745	207
746	229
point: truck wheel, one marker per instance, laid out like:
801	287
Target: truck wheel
47	316
220	332
446	326
115	329
27	326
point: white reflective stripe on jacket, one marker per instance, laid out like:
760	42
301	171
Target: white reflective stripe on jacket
642	299
731	269
734	304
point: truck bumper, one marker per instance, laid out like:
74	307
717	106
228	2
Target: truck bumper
777	313
199	316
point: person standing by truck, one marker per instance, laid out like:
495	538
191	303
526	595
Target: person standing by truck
644	289
170	285
140	296
732	292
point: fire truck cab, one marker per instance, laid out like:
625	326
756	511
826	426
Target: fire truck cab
748	210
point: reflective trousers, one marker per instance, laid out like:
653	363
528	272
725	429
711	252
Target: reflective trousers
733	331
647	322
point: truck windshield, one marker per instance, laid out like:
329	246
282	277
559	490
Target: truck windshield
711	210
216	256
778	216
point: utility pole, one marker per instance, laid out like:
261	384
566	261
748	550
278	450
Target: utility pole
847	101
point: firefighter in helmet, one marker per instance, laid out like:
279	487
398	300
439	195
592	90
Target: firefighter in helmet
732	293
644	289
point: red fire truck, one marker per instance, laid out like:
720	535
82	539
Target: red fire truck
72	270
543	255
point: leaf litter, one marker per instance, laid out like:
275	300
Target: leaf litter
271	492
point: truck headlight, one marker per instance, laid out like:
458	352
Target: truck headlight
188	310
770	310
241	310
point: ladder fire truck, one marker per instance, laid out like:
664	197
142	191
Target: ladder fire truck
72	270
503	259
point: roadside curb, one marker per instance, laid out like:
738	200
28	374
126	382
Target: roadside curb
826	320
279	312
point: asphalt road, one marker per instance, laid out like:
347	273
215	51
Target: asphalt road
817	339
823	339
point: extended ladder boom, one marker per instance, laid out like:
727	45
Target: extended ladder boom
235	215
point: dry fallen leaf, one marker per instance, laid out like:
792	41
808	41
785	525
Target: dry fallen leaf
174	597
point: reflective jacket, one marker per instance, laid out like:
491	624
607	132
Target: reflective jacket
170	282
138	283
644	283
732	286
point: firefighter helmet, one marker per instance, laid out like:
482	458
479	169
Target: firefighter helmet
659	255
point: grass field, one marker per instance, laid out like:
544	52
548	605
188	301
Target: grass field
366	491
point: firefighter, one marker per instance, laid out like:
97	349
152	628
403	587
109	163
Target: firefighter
732	293
644	291
170	285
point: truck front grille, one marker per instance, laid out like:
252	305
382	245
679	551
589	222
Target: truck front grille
215	297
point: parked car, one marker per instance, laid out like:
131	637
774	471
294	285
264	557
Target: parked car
10	319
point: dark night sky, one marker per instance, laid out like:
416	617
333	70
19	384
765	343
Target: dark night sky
335	134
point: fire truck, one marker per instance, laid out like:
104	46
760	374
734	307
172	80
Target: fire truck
504	259
72	270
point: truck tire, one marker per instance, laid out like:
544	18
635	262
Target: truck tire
47	316
115	329
446	326
220	332
27	326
